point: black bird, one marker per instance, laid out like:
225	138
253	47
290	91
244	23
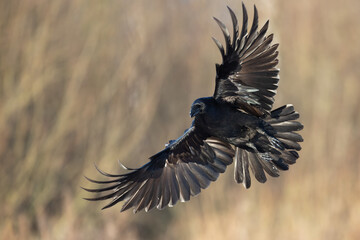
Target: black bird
236	123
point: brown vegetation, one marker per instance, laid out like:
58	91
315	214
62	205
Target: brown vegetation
96	81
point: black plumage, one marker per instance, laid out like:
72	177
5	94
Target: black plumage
236	123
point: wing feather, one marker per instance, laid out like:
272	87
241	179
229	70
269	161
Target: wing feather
247	77
180	171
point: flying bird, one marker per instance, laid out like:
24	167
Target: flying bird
236	124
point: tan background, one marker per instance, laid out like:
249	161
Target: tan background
84	81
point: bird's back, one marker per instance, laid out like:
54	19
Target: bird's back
224	121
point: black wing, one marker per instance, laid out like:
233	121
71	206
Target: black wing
247	77
181	170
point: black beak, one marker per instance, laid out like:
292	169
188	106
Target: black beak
193	112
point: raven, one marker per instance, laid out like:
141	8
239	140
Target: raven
236	124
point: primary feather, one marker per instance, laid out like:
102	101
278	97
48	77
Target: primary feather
247	77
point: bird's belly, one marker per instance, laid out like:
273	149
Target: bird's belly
236	129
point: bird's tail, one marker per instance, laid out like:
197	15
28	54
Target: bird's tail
276	147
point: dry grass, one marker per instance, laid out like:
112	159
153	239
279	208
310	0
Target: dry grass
96	81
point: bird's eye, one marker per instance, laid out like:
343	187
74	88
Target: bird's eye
195	109
199	107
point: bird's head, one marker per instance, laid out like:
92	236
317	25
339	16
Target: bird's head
198	107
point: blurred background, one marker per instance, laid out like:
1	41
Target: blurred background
88	81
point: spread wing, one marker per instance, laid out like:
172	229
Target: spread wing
181	170
247	77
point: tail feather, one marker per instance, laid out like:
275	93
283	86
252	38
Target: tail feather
257	168
282	114
242	174
266	162
287	126
289	144
289	157
295	137
281	148
282	111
